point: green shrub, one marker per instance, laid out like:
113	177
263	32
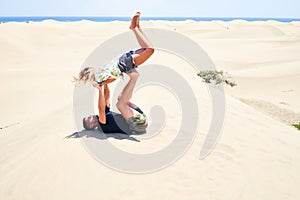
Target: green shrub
297	126
217	77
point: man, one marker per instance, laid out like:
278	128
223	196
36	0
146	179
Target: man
115	123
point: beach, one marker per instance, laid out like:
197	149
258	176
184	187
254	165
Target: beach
256	157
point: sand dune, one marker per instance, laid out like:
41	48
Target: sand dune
257	156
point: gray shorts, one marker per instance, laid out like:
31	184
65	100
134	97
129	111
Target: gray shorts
126	62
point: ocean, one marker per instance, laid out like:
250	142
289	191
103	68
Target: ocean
108	19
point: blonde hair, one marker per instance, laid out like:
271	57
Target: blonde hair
85	75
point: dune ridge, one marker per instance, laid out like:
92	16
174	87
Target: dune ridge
257	156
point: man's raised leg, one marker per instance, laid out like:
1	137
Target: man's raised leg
123	102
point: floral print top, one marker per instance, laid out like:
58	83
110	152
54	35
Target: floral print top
103	73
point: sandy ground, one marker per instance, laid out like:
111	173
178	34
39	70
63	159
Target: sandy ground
257	157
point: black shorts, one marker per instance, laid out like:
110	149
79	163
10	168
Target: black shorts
126	62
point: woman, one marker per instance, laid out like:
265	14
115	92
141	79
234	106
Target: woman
125	64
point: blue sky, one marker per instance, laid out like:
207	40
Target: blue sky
152	8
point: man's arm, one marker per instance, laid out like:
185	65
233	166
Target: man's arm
107	96
104	99
101	105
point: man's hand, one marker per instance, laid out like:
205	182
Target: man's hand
96	85
107	81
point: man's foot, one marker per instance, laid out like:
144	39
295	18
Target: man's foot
133	74
137	124
134	20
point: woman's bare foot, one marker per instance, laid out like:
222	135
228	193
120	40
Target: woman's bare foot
138	20
134	21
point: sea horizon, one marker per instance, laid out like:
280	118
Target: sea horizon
117	18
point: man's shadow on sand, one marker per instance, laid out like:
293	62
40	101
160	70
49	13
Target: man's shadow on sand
102	136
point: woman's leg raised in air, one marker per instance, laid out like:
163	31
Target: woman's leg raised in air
141	55
125	96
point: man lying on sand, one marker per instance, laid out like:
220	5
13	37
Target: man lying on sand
115	123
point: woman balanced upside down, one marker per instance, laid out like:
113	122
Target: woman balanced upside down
127	63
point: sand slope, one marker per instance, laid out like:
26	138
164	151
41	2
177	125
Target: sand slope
257	156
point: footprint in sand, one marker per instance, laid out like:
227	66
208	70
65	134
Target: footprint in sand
7	126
